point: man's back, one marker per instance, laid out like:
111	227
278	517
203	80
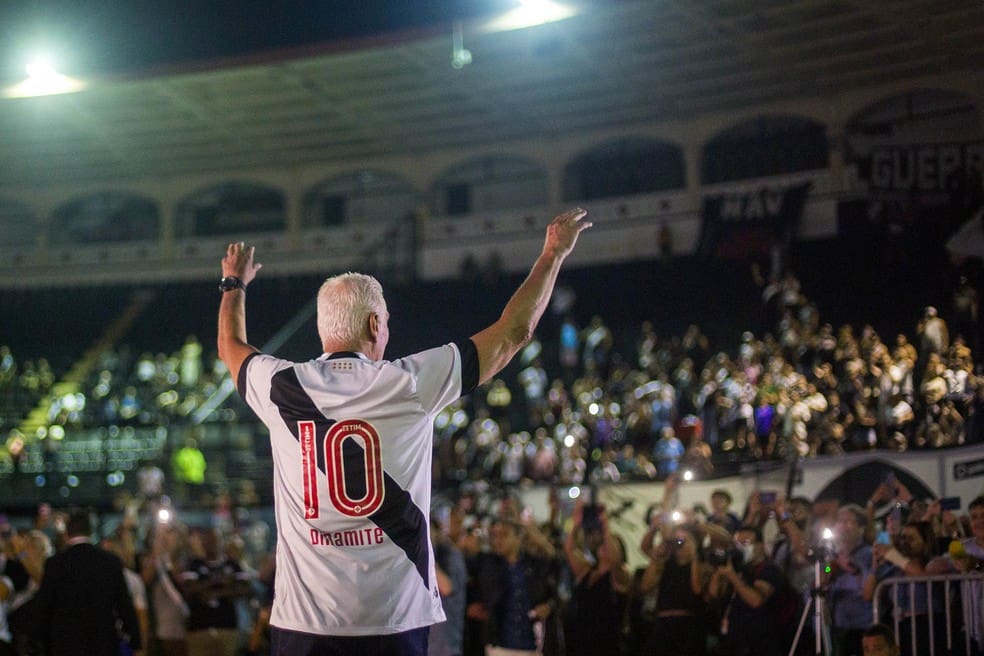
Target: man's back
352	438
352	443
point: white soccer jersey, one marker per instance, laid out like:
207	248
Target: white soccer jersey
352	444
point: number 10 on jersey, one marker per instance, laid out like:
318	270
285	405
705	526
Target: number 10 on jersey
342	475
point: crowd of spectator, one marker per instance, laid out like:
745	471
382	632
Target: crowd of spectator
149	389
194	589
589	404
582	409
22	384
713	581
800	390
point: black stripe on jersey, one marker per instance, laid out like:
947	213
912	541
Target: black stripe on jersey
402	521
296	405
241	378
469	366
398	516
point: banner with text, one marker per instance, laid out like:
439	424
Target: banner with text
933	173
739	225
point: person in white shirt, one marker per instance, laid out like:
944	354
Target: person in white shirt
351	435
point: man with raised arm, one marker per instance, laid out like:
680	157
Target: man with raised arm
351	436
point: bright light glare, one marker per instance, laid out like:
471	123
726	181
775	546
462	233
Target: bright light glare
530	13
41	68
43	80
828	534
688	475
574	492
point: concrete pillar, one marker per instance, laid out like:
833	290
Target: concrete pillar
293	208
167	229
691	163
837	144
555	185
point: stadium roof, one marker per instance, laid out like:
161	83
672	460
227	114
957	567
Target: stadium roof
617	62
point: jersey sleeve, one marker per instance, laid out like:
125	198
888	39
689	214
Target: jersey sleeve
255	374
438	372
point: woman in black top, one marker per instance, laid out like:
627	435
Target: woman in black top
677	571
596	557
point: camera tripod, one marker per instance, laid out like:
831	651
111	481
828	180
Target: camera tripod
821	630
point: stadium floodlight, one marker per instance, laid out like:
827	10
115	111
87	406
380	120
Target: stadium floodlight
43	79
530	13
40	68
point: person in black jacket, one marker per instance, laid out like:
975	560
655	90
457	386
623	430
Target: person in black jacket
516	593
750	625
82	597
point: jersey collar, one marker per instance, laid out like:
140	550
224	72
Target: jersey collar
343	354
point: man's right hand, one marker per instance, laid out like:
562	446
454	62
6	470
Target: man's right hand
563	231
498	343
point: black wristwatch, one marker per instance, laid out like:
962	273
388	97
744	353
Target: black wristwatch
230	283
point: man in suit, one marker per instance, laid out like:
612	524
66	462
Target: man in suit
83	594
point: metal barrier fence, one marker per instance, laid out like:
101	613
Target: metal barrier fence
971	620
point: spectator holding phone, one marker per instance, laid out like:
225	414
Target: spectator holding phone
761	507
657	513
971	554
850	611
679	575
790	551
890	489
945	525
968	555
751	619
596	558
911	557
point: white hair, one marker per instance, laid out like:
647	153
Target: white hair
345	302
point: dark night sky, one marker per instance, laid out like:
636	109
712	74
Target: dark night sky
127	37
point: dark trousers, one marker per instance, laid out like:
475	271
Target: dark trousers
848	641
922	634
284	642
677	636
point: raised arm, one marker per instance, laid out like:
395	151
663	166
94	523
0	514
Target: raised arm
233	347
498	343
576	560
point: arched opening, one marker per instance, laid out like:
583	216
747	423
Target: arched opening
108	216
359	197
231	208
765	146
18	225
488	184
623	167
